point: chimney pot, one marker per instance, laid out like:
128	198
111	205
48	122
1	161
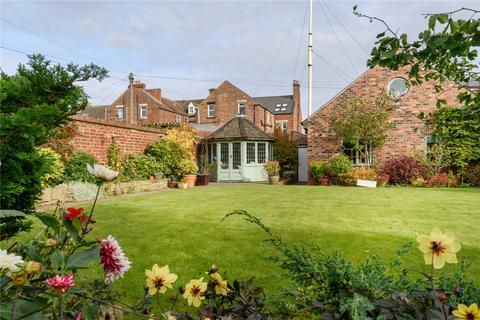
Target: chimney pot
211	90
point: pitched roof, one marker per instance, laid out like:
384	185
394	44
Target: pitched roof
277	104
95	111
239	128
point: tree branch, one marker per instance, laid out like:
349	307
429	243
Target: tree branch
452	12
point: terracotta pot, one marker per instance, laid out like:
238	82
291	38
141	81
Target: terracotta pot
274	179
203	179
190	178
182	185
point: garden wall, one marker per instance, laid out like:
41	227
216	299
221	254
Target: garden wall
95	136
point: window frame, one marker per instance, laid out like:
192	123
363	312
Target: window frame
117	108
244	104
355	155
141	107
191	109
211	108
400	95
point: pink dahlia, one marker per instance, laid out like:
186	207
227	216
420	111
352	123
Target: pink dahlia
115	263
61	284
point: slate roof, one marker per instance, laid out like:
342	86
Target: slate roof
239	128
183	104
277	104
95	111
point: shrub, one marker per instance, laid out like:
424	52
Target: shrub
402	170
350	178
453	179
382	179
169	154
76	167
418	182
473	175
140	167
285	151
339	165
324	181
54	173
114	157
319	169
288	175
188	167
438	180
272	168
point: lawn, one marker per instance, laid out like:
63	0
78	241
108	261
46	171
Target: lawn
182	228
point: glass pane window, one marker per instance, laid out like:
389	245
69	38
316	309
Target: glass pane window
142	110
250	152
209	153
120	113
262	153
241	108
398	87
237	155
359	157
211	110
224	155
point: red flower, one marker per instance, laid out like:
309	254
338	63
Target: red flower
73	212
61	284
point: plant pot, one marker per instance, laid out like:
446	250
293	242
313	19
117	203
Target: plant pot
182	185
190	178
203	179
273	179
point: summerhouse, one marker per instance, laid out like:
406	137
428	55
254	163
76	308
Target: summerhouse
239	149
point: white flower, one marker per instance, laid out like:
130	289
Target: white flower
9	262
102	172
114	261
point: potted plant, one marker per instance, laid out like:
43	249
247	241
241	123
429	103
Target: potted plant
182	184
273	170
203	177
189	172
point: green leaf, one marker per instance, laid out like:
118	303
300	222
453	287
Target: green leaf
431	21
57	260
23	309
49	221
11	213
442	18
82	258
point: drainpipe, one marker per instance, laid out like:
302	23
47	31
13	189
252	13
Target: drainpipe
198	114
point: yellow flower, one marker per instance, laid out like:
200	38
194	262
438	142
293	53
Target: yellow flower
439	248
467	313
194	291
220	284
33	267
159	279
20	279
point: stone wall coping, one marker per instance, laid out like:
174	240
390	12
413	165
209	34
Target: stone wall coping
89	119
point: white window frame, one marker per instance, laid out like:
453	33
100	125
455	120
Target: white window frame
178	119
118	108
210	110
191	109
142	107
241	104
282	125
357	155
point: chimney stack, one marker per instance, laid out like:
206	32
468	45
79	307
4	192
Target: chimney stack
211	90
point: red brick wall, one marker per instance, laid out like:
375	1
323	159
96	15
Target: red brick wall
95	136
156	113
226	98
409	132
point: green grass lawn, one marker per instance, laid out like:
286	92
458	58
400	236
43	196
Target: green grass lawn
182	228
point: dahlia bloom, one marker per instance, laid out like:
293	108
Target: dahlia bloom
9	262
220	284
438	248
194	292
114	261
467	313
72	213
159	279
61	284
102	172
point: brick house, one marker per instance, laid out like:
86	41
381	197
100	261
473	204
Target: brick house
139	105
227	101
409	135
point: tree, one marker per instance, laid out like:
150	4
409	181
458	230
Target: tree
34	102
285	151
446	51
363	124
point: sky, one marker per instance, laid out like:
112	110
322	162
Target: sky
185	48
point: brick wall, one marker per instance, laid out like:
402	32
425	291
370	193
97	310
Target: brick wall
409	132
95	136
226	98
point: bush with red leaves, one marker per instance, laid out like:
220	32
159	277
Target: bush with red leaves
438	180
402	170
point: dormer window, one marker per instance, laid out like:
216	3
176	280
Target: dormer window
191	109
241	108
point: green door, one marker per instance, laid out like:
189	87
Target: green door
230	161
